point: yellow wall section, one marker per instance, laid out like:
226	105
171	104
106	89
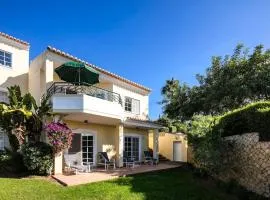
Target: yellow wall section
143	134
166	144
106	137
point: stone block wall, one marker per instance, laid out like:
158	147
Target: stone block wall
249	161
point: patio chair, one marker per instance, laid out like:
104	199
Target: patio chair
148	158
80	167
128	161
104	160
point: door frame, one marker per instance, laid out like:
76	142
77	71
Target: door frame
88	132
140	142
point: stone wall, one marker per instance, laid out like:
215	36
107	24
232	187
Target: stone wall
249	161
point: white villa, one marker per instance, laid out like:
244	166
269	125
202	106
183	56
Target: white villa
113	120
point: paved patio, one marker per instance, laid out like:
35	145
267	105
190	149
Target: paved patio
100	174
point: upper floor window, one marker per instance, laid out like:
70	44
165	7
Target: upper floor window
132	105
5	58
3	96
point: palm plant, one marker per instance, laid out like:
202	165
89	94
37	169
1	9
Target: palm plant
35	123
22	117
14	115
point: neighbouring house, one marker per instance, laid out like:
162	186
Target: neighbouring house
14	68
172	146
113	117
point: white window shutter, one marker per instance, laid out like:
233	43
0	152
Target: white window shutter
136	106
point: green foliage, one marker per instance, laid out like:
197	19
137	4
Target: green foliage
172	126
207	146
180	126
164	129
254	117
172	129
11	162
13	116
228	83
38	157
22	117
200	126
34	124
176	100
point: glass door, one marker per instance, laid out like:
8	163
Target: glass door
87	149
132	147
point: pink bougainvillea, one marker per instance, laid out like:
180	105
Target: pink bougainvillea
59	135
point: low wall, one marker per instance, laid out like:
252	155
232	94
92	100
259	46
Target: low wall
249	161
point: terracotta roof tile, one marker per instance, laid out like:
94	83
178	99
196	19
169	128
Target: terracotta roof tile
59	52
14	39
142	120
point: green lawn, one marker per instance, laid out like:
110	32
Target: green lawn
172	184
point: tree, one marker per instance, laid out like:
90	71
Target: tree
228	83
22	117
176	99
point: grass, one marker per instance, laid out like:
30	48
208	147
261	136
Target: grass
177	184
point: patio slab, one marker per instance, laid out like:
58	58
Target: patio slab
101	175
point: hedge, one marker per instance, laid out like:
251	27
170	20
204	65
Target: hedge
254	117
38	157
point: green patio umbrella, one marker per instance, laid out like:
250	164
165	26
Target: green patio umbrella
77	73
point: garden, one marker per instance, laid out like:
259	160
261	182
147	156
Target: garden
179	183
27	125
226	118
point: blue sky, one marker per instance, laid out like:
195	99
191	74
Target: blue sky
146	41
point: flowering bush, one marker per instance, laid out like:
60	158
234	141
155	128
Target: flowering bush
60	136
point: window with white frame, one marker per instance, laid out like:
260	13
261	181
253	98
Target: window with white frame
5	58
3	96
132	105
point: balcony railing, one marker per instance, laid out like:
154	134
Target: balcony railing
73	88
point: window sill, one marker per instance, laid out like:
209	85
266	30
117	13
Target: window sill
6	67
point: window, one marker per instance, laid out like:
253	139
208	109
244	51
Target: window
128	104
5	59
3	96
132	105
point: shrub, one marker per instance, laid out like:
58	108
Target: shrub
180	127
164	129
38	157
207	146
172	129
60	136
254	117
11	162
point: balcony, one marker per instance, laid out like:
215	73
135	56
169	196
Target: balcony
77	99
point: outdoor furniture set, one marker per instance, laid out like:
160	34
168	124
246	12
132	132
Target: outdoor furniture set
103	160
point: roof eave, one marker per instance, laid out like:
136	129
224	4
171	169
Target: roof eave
59	52
14	39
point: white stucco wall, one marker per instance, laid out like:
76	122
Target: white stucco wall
39	79
18	73
143	98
